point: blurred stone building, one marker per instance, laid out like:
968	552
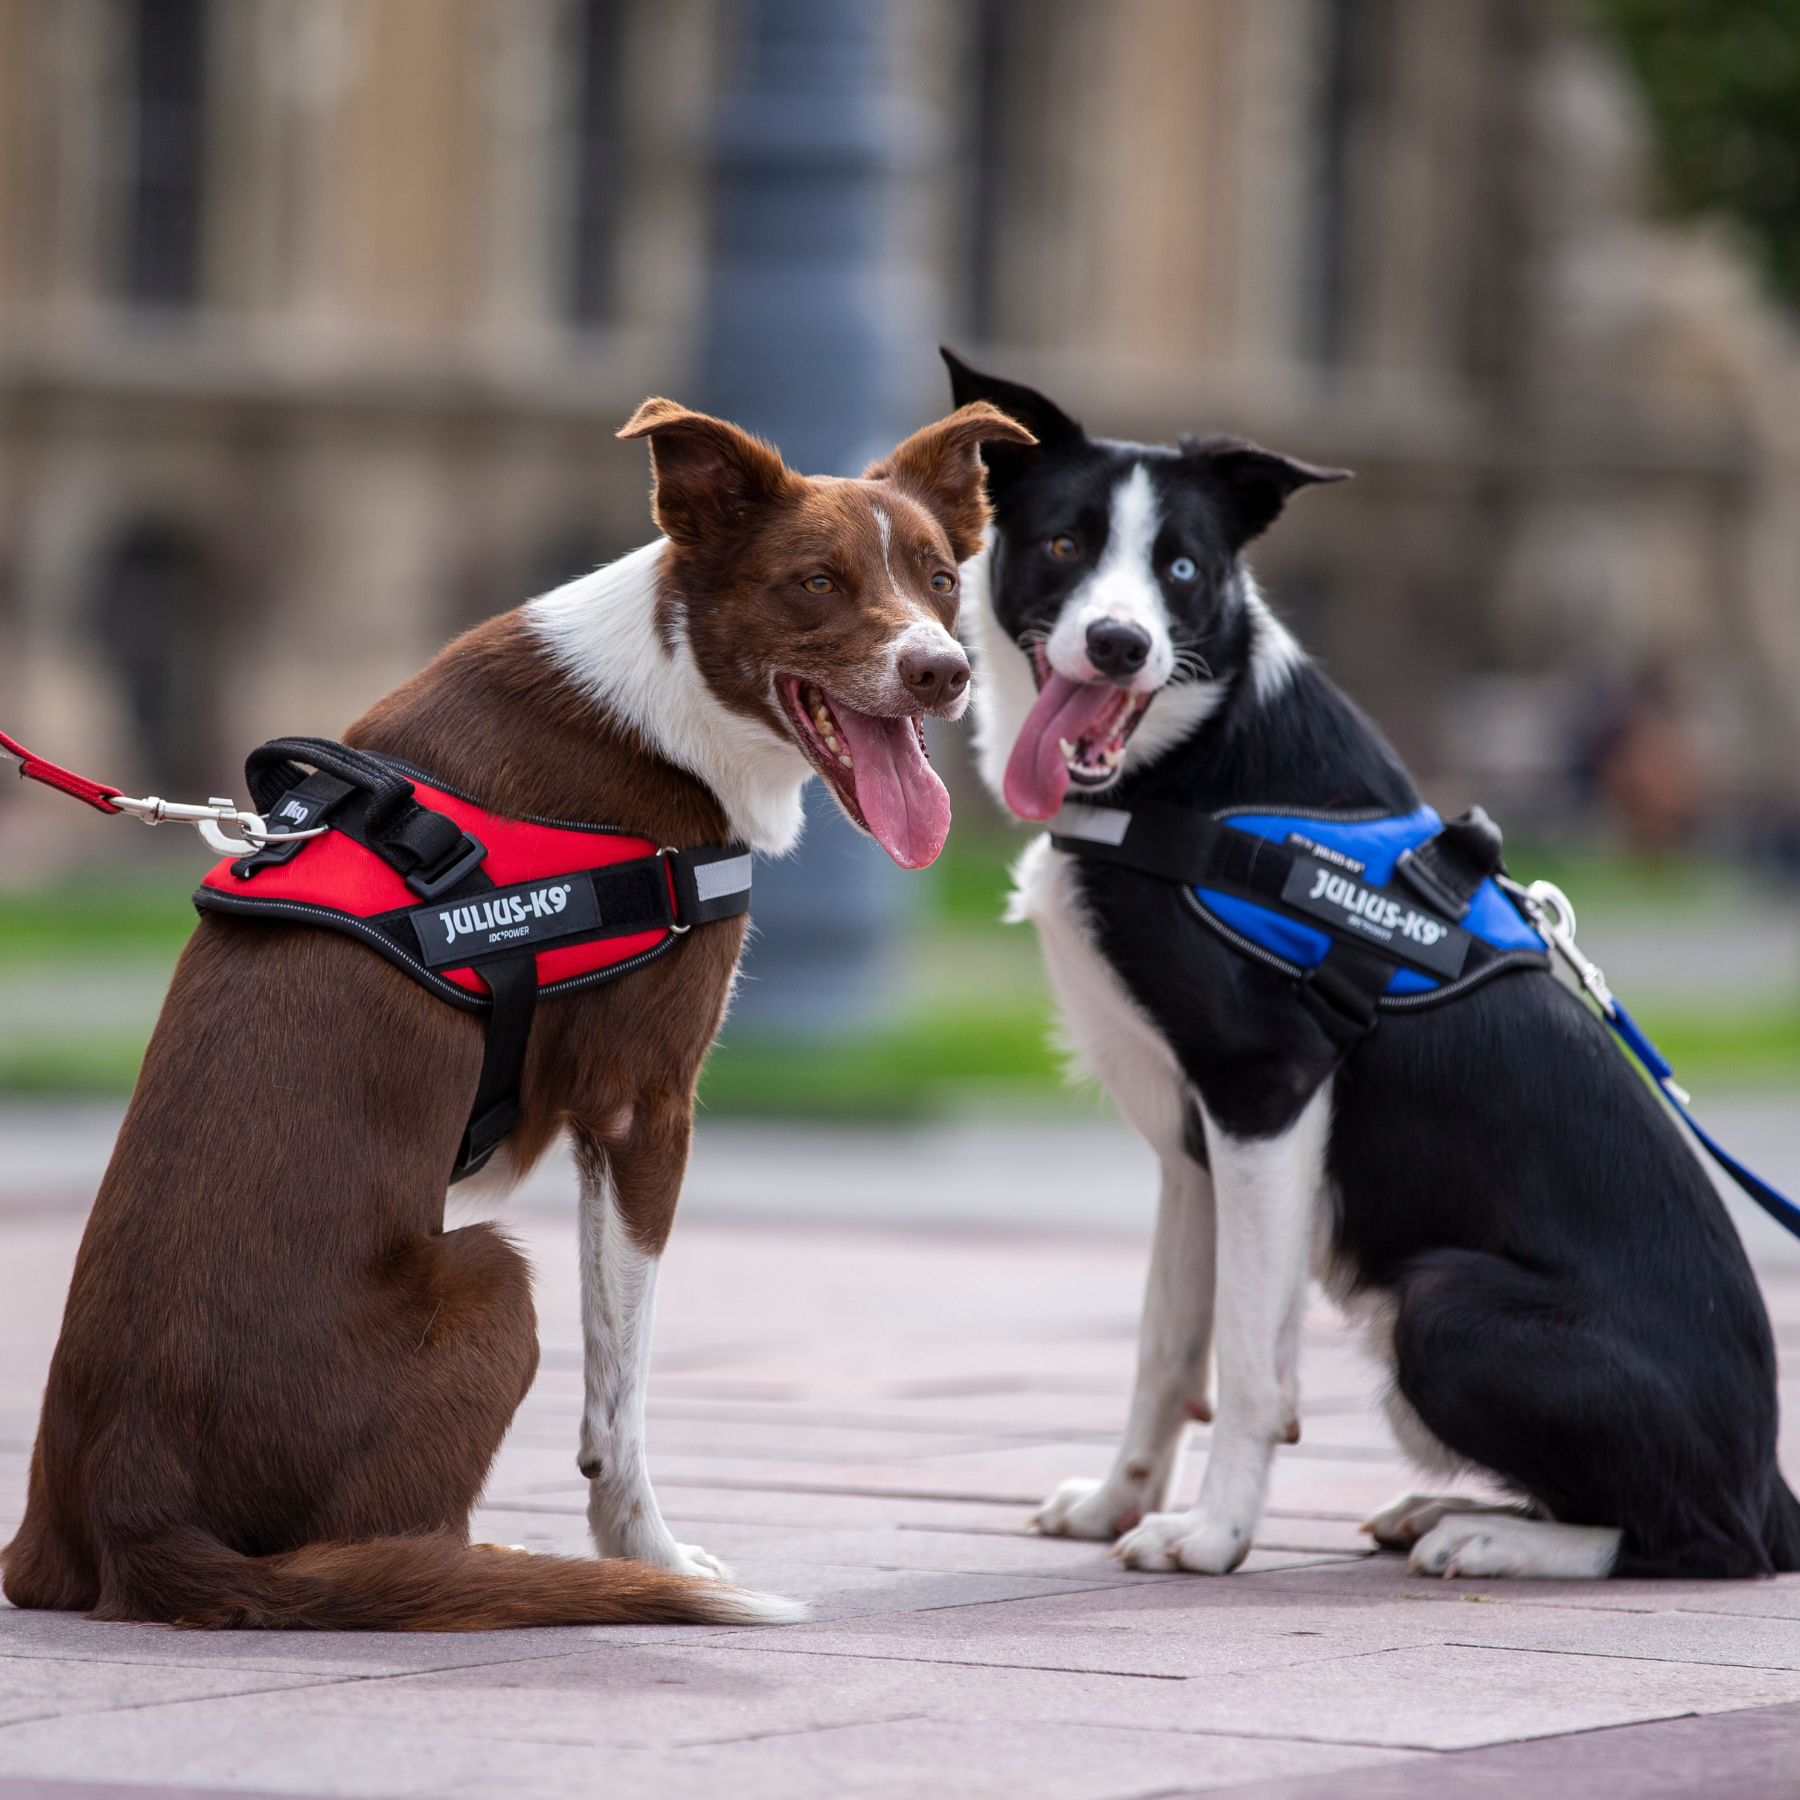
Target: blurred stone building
317	318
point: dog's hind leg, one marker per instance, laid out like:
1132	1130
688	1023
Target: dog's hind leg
1173	1341
1643	1459
1265	1194
628	1196
443	1357
1402	1522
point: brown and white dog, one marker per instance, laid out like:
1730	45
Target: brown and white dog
280	1382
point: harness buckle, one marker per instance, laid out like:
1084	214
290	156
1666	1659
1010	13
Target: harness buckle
465	857
665	853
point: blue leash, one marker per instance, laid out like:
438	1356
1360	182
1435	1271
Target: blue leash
1548	909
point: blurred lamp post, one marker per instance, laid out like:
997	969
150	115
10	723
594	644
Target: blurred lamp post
800	347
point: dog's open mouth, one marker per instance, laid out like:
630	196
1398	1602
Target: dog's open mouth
877	769
1075	735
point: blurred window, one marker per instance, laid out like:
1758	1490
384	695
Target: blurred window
995	28
153	614
1353	38
598	160
165	180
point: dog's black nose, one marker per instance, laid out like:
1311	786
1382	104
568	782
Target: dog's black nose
935	676
1116	648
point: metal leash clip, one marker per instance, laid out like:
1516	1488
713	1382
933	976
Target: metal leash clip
1553	917
208	818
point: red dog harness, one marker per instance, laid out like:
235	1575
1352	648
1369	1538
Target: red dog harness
486	912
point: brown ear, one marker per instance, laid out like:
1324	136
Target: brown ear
710	476
941	466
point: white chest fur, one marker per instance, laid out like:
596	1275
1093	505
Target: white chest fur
601	630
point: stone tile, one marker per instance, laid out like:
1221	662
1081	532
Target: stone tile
29	1639
44	1690
669	1721
1726	1640
1746	1755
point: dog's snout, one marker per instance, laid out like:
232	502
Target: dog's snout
1116	648
934	676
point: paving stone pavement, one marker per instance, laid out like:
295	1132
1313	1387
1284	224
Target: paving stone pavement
876	1351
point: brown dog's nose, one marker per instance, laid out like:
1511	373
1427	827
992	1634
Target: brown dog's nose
935	675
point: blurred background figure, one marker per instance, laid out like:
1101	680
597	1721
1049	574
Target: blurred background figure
317	317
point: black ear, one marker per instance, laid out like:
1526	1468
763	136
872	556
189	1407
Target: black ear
1251	484
1043	418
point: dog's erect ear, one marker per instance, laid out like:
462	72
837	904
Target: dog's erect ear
710	476
1251	484
1042	417
941	467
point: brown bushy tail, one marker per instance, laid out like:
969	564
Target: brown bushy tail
427	1583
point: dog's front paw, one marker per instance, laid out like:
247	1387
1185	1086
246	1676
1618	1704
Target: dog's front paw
1184	1541
690	1559
1084	1508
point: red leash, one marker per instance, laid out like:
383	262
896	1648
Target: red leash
34	768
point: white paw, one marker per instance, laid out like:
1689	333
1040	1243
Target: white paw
1493	1546
1184	1541
690	1559
1084	1508
1401	1523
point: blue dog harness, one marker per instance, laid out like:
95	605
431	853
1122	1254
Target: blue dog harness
1370	912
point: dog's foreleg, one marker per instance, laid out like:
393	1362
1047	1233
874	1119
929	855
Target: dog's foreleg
1265	1192
618	1309
1173	1341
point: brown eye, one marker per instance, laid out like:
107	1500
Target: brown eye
943	584
819	584
1062	548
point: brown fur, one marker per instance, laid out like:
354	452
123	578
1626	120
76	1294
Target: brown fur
280	1382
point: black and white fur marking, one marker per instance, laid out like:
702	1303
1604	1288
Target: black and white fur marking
1561	1296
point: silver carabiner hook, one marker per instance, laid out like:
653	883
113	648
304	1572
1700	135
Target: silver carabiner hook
219	810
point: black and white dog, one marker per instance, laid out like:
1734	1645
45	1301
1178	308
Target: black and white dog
1544	1265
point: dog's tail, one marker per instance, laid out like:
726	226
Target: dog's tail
426	1583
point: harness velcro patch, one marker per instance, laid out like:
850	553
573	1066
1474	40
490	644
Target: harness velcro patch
1377	915
618	900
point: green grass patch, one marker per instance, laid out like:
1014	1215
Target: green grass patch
99	916
96	1066
1741	1048
932	1063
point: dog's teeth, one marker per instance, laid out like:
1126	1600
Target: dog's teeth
1066	748
844	759
831	743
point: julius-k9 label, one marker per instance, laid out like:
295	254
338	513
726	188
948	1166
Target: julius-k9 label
1379	917
510	918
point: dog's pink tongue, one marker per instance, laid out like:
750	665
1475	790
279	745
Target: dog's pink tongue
903	802
1037	773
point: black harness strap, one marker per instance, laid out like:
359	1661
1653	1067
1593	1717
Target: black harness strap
512	980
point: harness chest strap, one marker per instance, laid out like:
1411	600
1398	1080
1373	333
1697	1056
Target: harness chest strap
513	908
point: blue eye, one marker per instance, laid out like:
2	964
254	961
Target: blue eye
1182	568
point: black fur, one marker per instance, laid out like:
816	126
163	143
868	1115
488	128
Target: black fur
1575	1310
